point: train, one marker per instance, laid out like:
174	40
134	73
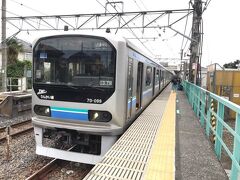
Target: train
87	90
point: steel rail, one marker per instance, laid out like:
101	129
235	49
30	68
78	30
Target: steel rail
45	170
21	123
14	126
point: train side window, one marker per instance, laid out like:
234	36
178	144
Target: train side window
148	76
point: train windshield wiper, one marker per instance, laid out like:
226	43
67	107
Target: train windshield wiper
94	87
72	87
85	87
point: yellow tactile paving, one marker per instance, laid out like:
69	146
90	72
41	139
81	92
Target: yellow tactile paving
161	164
129	156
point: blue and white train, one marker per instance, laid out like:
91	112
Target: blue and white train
87	89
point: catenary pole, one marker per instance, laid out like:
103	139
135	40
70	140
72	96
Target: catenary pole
194	66
4	48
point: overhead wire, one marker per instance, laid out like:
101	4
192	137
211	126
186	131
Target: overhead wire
159	34
10	37
146	18
206	5
187	40
22	19
101	5
21	4
143	4
28	7
137	5
129	29
185	27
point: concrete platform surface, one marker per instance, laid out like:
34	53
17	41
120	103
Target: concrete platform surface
195	158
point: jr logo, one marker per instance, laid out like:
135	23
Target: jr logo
41	91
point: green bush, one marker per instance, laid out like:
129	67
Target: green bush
16	70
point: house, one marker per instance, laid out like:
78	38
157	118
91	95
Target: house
27	50
26	54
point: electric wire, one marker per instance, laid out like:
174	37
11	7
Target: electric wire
129	29
143	4
137	5
22	19
101	5
104	8
187	40
28	7
206	5
159	34
185	27
147	19
166	39
10	37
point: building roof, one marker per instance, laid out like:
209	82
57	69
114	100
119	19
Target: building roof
27	47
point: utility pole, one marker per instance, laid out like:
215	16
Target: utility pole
194	67
4	48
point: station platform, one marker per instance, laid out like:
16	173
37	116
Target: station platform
165	142
195	157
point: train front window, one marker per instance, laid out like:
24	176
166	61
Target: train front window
74	61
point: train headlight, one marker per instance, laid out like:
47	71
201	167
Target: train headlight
95	115
42	110
100	116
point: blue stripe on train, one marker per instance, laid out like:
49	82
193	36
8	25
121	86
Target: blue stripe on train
69	113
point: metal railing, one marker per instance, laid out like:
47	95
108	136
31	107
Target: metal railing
202	102
18	84
14	84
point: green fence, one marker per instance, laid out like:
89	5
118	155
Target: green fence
208	107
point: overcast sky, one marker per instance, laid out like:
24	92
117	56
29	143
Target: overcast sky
221	26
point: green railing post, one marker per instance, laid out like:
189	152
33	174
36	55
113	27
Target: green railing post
198	102
195	99
191	96
236	150
203	97
208	115
219	129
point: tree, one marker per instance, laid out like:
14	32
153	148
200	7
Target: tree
13	48
17	70
232	65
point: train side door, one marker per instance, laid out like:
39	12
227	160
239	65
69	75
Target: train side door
160	79
130	88
153	87
139	86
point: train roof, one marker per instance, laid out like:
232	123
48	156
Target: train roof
110	37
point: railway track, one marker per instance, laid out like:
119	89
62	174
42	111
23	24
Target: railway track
15	129
53	165
45	170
